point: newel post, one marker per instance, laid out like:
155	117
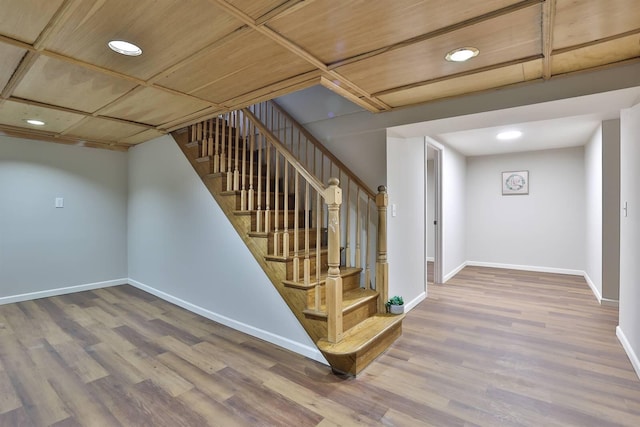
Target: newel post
382	267
333	198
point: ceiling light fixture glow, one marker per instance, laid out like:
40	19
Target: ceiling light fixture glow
124	48
509	135
35	122
462	54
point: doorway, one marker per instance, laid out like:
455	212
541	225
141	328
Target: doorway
433	211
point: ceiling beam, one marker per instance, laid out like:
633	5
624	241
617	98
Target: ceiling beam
300	52
282	10
58	138
439	32
595	42
21	70
548	20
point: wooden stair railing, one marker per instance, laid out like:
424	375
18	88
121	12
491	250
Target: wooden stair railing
360	201
293	224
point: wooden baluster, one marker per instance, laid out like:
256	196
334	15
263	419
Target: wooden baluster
382	267
216	155
259	216
276	208
210	144
243	176
223	158
347	210
367	272
252	138
285	193
333	198
267	193
296	229
233	123
358	231
318	248
307	262
236	170
193	134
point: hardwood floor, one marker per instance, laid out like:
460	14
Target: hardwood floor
491	347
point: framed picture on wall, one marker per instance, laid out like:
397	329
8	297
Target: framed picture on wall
515	183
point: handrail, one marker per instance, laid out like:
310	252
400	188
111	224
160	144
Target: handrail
315	182
352	176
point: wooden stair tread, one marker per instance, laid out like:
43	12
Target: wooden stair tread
344	272
350	299
362	335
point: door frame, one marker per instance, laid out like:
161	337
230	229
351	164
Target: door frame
438	260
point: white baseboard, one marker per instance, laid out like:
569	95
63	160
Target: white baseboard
457	270
307	351
417	300
629	350
593	287
610	302
526	268
61	291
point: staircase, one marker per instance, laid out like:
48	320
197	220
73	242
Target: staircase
314	241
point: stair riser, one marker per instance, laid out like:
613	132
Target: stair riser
348	283
353	317
312	265
280	223
301	240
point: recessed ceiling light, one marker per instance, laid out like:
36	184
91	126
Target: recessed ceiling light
125	48
35	122
462	54
510	134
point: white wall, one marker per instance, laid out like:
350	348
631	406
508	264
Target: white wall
405	231
182	247
454	228
544	229
43	248
629	328
593	212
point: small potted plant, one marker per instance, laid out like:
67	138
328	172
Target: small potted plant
395	305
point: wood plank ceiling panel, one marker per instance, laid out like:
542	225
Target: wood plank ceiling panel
141	137
500	40
578	22
166	30
153	106
68	85
600	54
11	57
247	62
92	128
256	8
24	20
15	114
511	74
333	30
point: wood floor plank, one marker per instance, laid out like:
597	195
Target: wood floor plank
490	348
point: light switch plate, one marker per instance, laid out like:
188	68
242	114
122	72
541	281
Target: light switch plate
59	202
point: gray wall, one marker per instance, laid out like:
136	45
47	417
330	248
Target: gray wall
183	248
43	248
544	229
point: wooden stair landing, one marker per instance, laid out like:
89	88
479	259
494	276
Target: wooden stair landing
362	343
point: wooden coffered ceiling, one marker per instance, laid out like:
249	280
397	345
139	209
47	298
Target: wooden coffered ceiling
204	57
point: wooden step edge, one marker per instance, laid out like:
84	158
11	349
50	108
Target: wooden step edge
344	272
203	159
215	175
361	336
258	234
192	144
349	303
279	258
